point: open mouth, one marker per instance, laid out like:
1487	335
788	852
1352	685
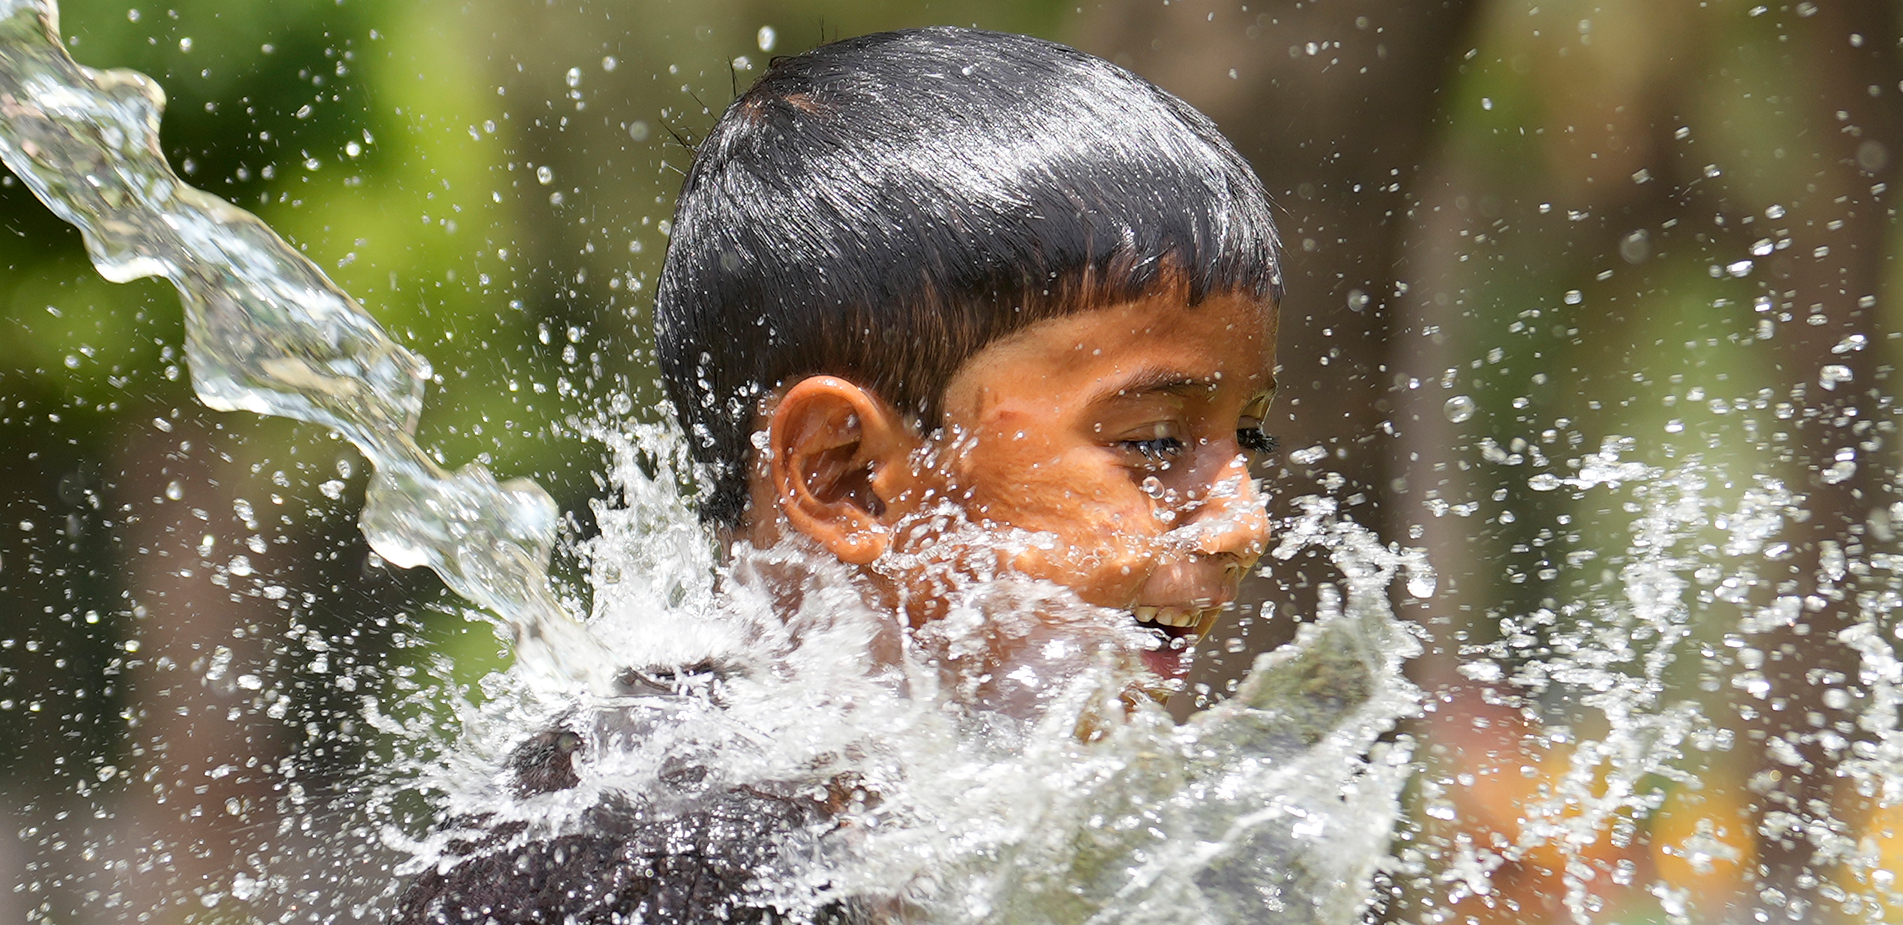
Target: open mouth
1176	629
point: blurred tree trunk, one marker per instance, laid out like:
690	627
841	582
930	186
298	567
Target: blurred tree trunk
1846	225
202	798
1638	134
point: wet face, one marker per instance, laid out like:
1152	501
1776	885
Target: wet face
1118	441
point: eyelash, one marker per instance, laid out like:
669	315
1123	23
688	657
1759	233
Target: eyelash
1255	441
1156	449
1161	449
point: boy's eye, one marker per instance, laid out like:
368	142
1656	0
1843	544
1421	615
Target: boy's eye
1159	448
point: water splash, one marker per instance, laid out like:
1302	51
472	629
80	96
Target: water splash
1278	802
1276	805
266	331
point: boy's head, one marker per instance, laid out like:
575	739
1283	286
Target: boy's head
899	239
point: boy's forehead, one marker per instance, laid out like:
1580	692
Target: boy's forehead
1219	332
1152	345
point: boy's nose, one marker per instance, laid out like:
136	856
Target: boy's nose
1234	520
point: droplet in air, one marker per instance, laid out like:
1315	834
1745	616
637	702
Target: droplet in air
1740	268
1544	481
1851	344
574	77
1831	375
638	130
545	175
1460	409
1574	297
174	491
766	37
1636	246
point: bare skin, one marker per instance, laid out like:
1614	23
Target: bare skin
1119	437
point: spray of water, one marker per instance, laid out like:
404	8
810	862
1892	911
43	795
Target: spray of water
266	331
1031	798
1276	805
949	798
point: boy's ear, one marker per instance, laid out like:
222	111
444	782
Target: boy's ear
838	458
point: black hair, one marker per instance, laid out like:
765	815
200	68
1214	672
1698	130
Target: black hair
881	208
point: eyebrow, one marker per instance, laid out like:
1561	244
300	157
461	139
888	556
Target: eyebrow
1152	381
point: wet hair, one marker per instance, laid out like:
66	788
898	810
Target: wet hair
882	208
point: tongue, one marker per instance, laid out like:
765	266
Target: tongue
1166	662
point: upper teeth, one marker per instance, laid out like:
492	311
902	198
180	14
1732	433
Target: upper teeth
1168	616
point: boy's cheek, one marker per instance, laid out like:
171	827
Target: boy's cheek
1107	573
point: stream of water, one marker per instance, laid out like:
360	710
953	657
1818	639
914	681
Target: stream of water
266	331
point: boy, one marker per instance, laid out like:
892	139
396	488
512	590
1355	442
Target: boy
941	307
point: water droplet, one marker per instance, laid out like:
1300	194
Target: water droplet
1545	481
766	37
574	77
545	174
174	491
220	662
1830	376
1309	456
1574	297
1774	212
638	130
609	63
1460	409
1740	268
1851	344
107	772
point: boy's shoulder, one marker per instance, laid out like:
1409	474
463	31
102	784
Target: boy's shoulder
704	853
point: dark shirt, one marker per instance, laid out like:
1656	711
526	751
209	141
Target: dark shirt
711	857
